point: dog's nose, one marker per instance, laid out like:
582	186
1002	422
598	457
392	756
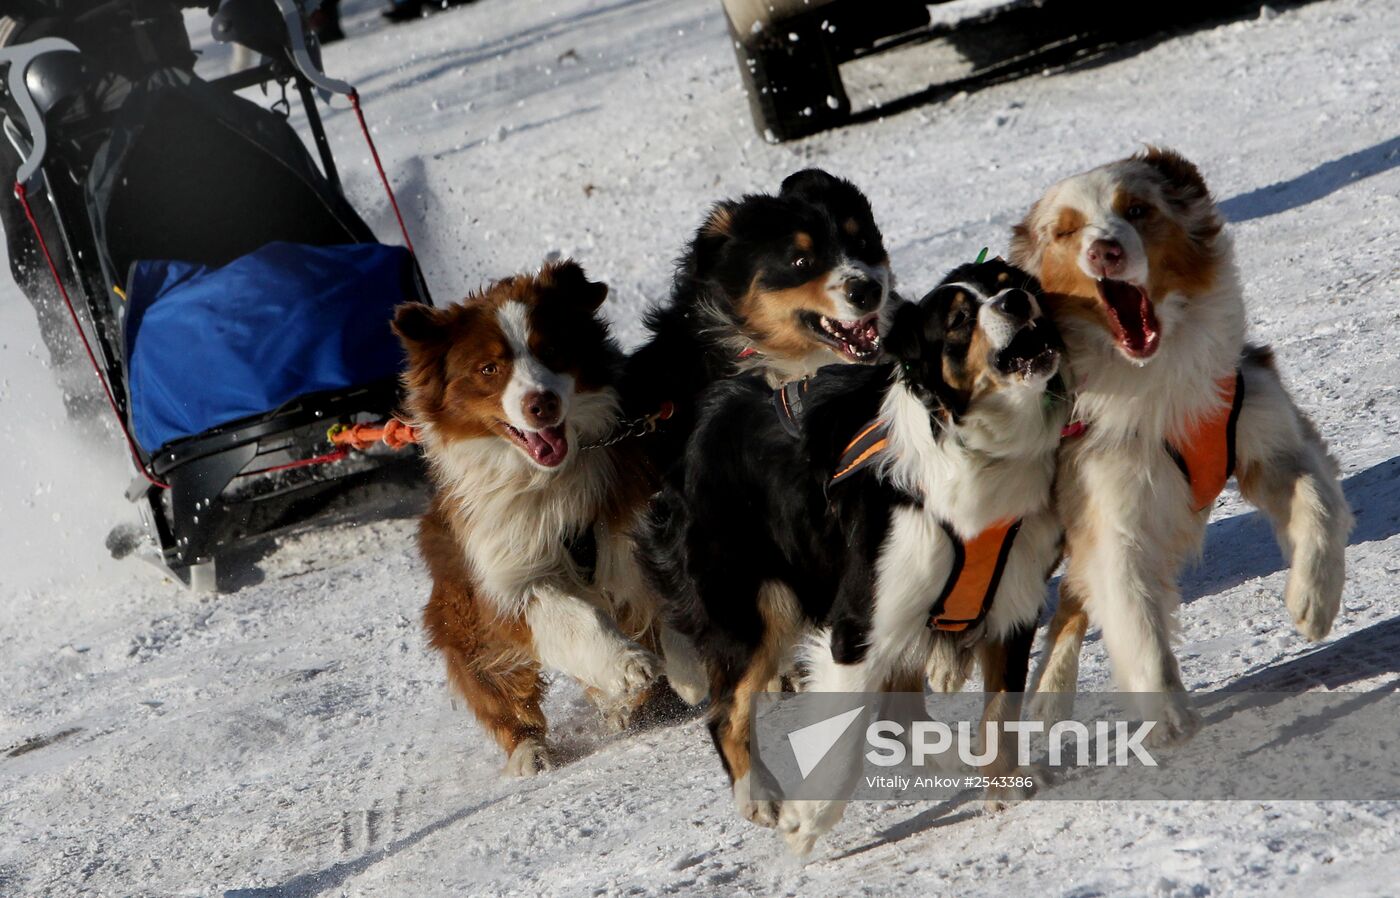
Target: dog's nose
864	293
541	408
1017	304
1106	256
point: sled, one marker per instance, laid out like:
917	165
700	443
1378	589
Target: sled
232	302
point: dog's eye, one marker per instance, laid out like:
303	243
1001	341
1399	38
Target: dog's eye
1067	233
957	320
489	369
802	263
1136	211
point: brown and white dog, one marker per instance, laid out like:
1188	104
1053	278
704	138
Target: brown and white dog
1141	280
527	537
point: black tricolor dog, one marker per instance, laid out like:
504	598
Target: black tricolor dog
776	285
907	524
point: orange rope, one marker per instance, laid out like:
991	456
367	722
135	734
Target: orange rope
393	433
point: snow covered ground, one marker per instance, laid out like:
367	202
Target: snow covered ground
296	738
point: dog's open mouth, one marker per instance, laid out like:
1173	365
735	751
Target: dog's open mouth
858	341
1132	317
1029	355
548	446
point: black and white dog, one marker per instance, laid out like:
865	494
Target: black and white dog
905	519
772	284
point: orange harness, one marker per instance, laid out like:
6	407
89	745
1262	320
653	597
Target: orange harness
868	445
972	583
978	563
1206	456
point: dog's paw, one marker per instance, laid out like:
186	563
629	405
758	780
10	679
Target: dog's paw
634	671
692	692
685	669
639	670
761	813
529	758
802	823
634	679
1050	707
1176	721
616	714
946	669
999	798
1312	614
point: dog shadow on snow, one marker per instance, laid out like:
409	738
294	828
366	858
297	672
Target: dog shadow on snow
1313	184
332	878
1243	547
574	736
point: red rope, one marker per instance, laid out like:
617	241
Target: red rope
22	195
374	154
337	455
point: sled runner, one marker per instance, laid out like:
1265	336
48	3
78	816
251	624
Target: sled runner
234	305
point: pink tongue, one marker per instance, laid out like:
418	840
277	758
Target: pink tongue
1135	315
861	334
548	446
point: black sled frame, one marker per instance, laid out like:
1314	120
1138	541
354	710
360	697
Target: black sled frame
202	496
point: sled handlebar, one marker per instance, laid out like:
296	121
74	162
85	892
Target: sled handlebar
19	58
308	65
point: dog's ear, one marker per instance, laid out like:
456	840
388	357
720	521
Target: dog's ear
1182	175
426	337
906	340
809	180
1184	188
419	324
567	281
713	236
719	224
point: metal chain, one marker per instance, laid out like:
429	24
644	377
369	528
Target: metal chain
636	427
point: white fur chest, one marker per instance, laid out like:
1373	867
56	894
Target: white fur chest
514	520
997	466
